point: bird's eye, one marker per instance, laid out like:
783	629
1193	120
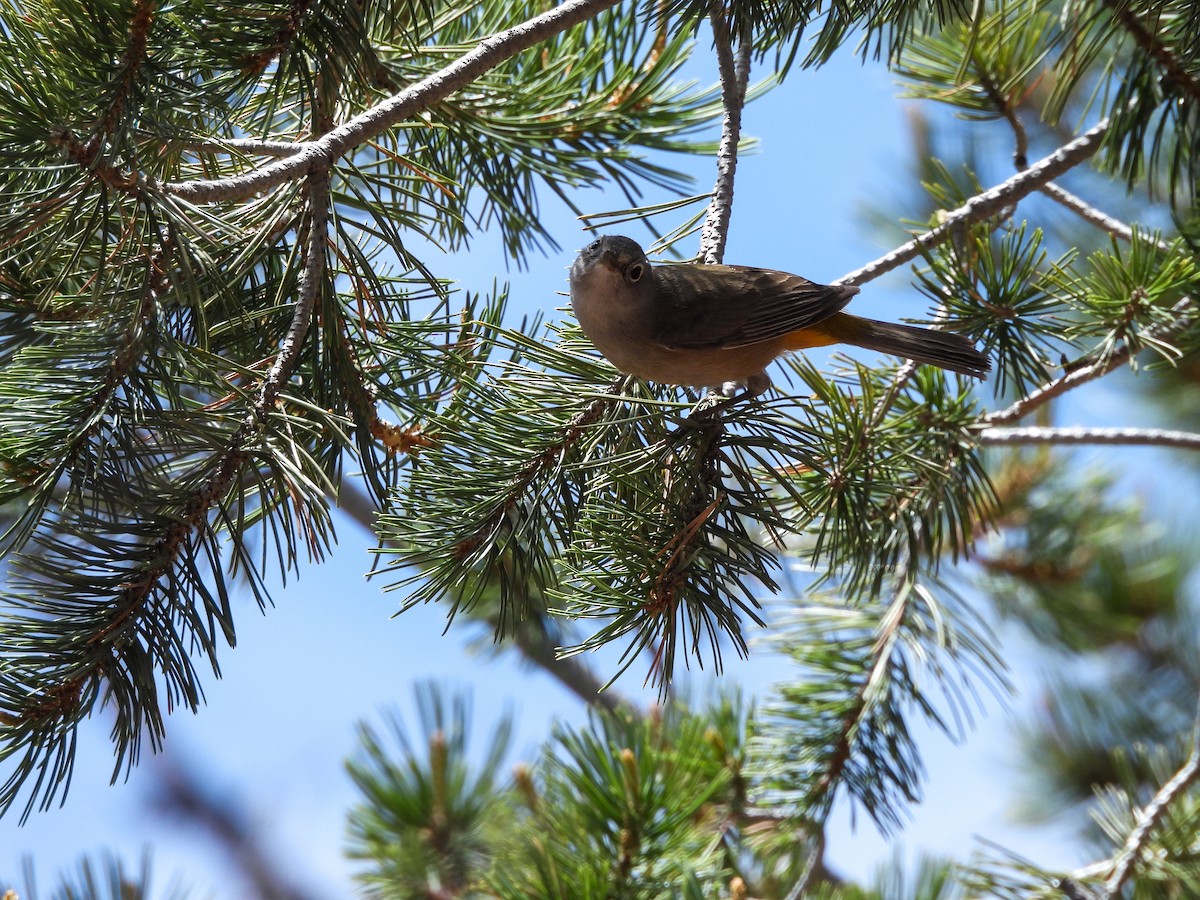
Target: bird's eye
635	272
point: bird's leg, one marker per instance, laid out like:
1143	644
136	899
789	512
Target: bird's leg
756	384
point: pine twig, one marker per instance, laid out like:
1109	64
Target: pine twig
322	152
1020	137
137	592
131	64
1160	437
885	644
548	456
1153	47
311	281
987	204
1087	212
1097	217
735	73
1152	815
812	869
1185	311
1060	195
1055	192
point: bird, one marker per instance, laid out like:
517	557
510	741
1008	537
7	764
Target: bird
716	325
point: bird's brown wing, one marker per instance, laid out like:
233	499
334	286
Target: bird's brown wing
731	306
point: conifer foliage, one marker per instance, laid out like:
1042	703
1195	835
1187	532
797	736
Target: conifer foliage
218	314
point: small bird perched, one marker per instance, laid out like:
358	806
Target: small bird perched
714	325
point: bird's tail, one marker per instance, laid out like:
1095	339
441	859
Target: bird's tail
943	349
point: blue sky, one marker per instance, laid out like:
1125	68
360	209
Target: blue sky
281	720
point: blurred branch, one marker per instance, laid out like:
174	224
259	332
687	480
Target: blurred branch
989	203
1089	213
535	645
488	54
813	867
1045	435
1152	815
531	637
1009	111
182	798
850	730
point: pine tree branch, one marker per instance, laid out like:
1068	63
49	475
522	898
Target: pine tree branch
139	589
852	723
735	73
1097	217
989	203
1185	311
89	155
1073	890
312	279
545	458
1160	437
1154	48
884	644
1060	195
284	36
813	866
536	646
89	158
322	152
131	63
1152	815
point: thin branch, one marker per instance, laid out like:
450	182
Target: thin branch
132	61
989	203
1059	194
1160	437
311	281
577	677
1074	890
1020	138
734	76
1184	310
1152	815
884	645
546	458
1097	217
843	745
321	153
1087	212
